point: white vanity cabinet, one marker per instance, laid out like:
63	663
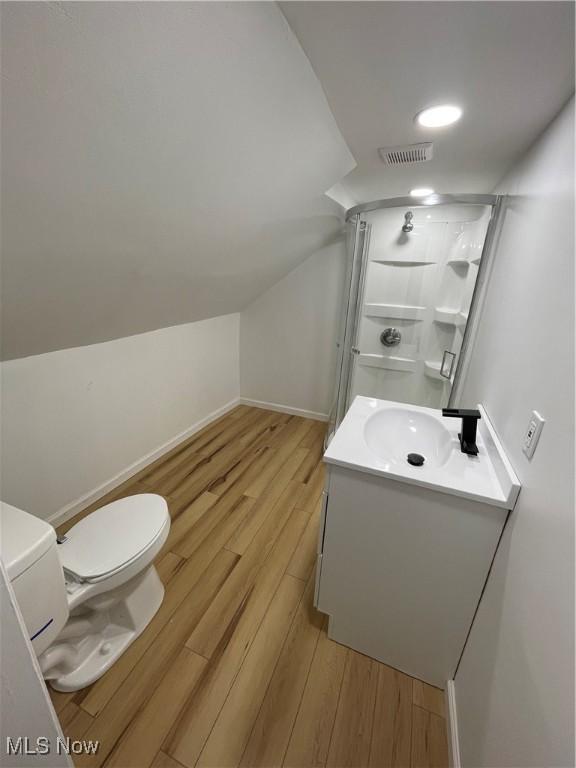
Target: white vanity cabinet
401	567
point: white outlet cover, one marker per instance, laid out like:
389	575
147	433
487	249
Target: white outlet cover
533	433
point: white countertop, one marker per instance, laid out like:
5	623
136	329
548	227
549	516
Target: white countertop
487	477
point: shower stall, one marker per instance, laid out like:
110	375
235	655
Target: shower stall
416	271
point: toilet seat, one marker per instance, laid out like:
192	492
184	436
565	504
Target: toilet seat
112	538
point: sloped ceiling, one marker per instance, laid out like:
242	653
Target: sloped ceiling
510	65
161	163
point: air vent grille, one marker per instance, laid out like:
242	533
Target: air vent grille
407	154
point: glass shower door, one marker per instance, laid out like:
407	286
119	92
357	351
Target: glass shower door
420	267
355	243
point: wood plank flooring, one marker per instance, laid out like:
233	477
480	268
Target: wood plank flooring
236	668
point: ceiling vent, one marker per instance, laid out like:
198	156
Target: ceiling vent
407	154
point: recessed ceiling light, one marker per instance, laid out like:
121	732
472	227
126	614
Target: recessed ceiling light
421	191
436	117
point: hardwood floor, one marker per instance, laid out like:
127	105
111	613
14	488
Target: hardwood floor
236	668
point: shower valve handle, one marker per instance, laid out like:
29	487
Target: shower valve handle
391	337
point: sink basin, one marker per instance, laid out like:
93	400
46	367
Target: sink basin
393	433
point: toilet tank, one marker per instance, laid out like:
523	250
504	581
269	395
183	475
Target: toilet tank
28	549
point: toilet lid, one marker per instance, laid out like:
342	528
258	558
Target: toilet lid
112	536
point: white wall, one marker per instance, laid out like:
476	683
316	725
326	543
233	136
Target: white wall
26	707
288	335
74	419
515	685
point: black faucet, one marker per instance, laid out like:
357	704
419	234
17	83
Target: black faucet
468	435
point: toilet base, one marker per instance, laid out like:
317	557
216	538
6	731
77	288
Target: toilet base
99	631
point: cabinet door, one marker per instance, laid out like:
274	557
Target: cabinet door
402	570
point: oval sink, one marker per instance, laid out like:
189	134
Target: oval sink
393	433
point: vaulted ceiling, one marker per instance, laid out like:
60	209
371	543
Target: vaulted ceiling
165	162
161	163
510	65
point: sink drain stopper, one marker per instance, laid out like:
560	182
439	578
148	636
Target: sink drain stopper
416	459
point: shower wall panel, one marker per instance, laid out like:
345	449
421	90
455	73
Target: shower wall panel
421	284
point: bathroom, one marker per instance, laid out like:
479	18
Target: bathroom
287	384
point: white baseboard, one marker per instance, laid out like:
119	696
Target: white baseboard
284	409
64	514
452	725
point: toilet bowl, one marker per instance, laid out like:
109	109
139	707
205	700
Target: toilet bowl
87	596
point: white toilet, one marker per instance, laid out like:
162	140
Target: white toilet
85	598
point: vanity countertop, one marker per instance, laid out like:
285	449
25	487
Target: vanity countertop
487	477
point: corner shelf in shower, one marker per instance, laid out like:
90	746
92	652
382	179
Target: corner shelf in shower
395	311
389	362
447	316
476	260
432	370
458	262
404	262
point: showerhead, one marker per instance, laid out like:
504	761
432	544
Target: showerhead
408	226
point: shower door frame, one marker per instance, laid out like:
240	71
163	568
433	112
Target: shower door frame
348	322
358	275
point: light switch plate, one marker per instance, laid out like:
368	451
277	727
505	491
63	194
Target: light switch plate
533	433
